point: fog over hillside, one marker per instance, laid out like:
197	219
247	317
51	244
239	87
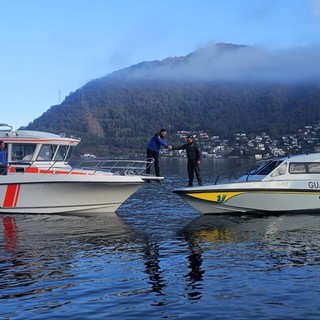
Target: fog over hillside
230	62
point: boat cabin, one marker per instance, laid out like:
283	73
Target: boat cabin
31	151
292	167
36	148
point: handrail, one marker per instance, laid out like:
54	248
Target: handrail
120	167
5	125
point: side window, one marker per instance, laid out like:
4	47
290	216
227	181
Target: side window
305	167
20	152
314	167
281	170
62	153
297	168
46	152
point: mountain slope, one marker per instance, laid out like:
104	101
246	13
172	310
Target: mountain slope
118	113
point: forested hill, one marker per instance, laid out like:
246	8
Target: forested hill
118	113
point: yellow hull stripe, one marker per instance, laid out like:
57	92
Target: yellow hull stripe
222	197
215	196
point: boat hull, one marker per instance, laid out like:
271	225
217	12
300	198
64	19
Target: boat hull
247	198
55	195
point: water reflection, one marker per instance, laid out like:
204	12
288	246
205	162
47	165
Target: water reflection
195	275
11	237
48	262
212	229
152	264
39	252
282	240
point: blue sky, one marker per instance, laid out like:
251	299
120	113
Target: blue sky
49	48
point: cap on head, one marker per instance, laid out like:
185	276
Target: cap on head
190	136
1	141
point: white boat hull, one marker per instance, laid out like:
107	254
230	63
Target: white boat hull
36	177
54	194
253	197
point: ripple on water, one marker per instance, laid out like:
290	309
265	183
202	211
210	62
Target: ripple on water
159	258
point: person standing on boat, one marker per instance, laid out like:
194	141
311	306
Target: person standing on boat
3	158
194	160
153	150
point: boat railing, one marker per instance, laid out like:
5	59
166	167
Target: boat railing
121	167
222	178
237	171
5	127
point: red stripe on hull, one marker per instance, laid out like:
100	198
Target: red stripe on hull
12	195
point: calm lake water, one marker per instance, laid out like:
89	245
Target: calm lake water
158	258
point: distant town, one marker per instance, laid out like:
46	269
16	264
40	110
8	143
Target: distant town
258	146
244	145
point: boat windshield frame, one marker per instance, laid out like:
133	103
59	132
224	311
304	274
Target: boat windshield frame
264	168
54	152
38	152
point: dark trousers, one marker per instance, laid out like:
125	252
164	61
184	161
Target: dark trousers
193	167
153	155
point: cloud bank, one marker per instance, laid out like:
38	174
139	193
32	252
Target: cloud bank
229	62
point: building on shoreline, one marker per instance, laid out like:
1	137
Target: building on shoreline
258	146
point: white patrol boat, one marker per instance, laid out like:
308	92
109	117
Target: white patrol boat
39	179
288	184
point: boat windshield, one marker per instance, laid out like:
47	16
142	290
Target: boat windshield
265	167
63	153
47	152
22	151
50	152
281	170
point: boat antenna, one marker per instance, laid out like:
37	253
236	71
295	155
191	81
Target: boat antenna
233	169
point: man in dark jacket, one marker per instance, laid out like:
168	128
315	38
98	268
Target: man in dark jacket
194	159
153	151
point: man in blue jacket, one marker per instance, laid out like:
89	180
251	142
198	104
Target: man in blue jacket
3	158
153	150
